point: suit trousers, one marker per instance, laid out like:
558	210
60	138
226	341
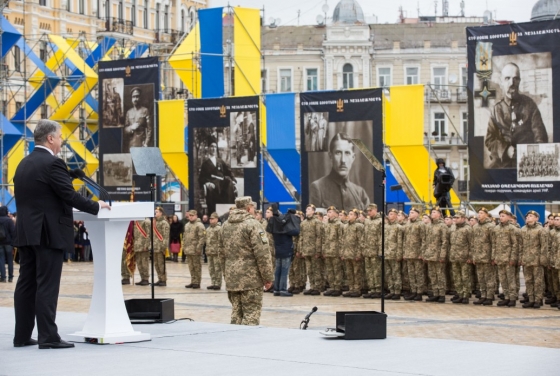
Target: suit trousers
36	293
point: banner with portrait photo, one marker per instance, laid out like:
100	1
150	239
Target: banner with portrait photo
334	172
514	139
128	90
224	160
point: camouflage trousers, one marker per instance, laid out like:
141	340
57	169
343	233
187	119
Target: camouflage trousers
462	278
159	265
373	273
334	273
518	278
246	306
556	283
393	275
534	282
506	276
297	273
547	279
125	274
486	279
323	272
143	263
223	267
273	260
313	270
354	270
416	276
450	285
436	272
215	270
195	268
405	278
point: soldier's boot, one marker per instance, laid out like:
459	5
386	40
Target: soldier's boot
295	291
441	299
355	294
524	300
432	299
525	295
376	295
478	294
291	289
316	292
388	296
555	305
161	283
143	282
465	301
328	293
410	297
346	294
195	286
551	300
396	297
364	291
125	281
456	298
307	292
503	303
418	298
512	303
211	287
479	301
528	305
345	288
487	302
501	296
336	293
538	304
189	286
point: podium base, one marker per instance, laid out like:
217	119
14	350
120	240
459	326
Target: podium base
109	339
150	310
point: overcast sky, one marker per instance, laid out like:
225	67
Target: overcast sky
386	11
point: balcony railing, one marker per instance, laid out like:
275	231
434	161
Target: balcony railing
444	140
462	96
118	25
443	95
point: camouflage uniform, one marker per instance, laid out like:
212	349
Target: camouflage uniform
505	255
554	258
518	267
125	273
310	248
297	268
332	242
481	256
193	242
533	256
160	245
141	249
248	265
213	244
435	253
372	253
264	224
553	271
460	250
393	255
413	242
352	243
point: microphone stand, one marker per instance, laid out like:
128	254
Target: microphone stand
383	244
152	198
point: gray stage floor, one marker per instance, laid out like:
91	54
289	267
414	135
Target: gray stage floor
199	348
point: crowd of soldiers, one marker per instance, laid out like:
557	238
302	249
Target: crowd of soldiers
538	164
425	255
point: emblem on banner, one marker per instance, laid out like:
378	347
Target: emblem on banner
223	111
339	106
513	39
483	64
128	71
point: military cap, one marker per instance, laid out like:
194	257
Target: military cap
556	215
299	212
252	203
270	208
243	202
193	212
414	209
160	209
514	216
258	211
232	207
436	208
311	206
484	210
343	212
504	211
332	208
355	211
460	214
425	215
393	211
532	212
372	206
136	88
214	215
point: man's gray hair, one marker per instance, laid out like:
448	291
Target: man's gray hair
43	129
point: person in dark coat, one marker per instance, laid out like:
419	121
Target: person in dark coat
175	231
443	181
6	250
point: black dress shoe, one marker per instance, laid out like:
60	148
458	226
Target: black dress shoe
29	342
56	345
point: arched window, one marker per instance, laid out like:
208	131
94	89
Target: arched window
347	76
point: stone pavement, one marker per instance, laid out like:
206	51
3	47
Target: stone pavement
531	327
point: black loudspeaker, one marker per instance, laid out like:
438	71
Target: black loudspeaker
362	324
150	310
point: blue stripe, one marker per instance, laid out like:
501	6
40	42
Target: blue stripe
273	189
280	121
212	67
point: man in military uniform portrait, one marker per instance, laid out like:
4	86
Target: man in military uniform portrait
138	127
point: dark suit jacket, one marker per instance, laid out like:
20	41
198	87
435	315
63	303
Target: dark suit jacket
45	197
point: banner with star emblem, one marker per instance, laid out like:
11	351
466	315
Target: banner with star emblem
514	139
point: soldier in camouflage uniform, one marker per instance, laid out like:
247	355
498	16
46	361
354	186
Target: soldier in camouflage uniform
264	223
141	251
393	255
310	241
125	273
247	264
413	242
435	254
554	256
332	242
352	250
533	255
552	271
505	255
213	243
297	268
459	253
402	219
482	257
193	242
372	252
161	242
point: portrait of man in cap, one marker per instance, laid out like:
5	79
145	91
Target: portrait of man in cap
138	128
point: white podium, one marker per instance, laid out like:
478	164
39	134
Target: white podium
107	321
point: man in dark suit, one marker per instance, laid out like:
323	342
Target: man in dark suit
45	198
216	179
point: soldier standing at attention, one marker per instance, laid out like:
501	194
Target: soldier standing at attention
213	244
533	256
193	242
481	257
297	268
393	255
402	219
352	244
505	255
310	242
459	253
435	254
372	252
161	242
264	223
554	257
141	244
332	242
413	242
553	287
247	264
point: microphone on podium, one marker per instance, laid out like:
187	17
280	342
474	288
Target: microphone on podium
81	175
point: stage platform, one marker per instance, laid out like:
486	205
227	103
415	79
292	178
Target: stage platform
199	348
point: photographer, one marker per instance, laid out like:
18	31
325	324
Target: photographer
443	181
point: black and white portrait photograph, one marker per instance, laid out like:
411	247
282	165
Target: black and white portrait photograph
117	170
243	139
342	176
512	105
538	162
138	129
216	183
112	106
315	128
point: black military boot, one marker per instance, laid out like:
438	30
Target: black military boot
345	288
410	297
512	303
307	292
538	304
315	292
465	301
478	295
295	291
328	293
441	299
503	303
479	301
125	281
550	301
376	295
336	293
524	300
388	296
456	299
143	282
487	302
291	289
418	298
432	299
396	297
528	305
